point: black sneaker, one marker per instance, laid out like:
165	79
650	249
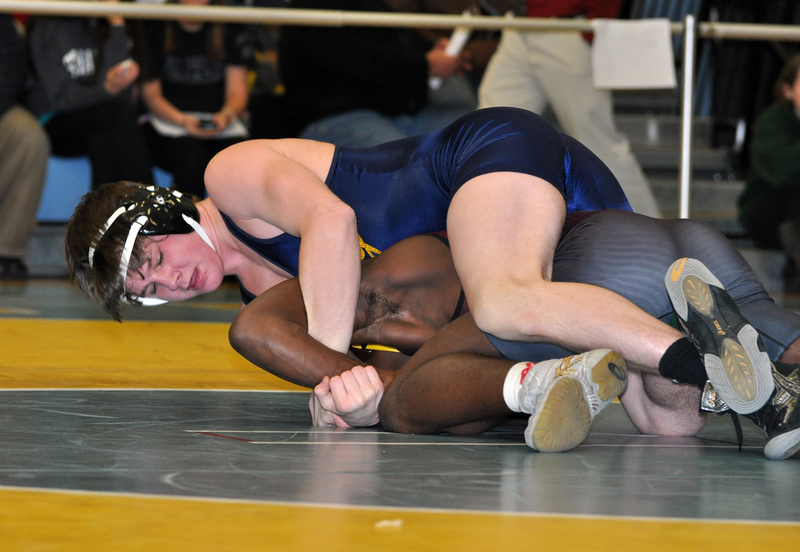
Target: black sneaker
780	417
12	269
735	360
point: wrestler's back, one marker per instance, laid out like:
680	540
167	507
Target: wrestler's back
404	188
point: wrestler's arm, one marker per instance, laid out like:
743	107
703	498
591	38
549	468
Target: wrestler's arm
417	386
273	186
271	332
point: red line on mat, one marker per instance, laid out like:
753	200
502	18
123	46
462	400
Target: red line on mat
224	436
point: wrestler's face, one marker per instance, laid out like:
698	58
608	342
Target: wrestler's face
177	267
792	93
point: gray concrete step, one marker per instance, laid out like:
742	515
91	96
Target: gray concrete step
652	129
709	200
46	251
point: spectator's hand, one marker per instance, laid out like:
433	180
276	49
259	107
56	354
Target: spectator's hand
444	66
194	128
352	396
115	20
121	76
223	119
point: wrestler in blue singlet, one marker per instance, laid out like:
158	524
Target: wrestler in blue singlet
403	188
629	254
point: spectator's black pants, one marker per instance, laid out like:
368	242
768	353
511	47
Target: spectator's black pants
110	135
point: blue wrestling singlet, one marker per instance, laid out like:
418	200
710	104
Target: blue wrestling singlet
403	188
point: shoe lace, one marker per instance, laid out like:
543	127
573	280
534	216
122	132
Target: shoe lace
566	366
737	425
711	402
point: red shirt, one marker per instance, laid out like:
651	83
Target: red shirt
589	9
573	8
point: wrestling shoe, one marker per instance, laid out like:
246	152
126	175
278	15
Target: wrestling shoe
779	418
735	360
564	395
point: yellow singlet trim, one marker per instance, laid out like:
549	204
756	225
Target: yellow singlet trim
375	347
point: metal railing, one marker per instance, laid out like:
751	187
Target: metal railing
691	30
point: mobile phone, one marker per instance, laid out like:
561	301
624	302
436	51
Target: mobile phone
208	124
124	66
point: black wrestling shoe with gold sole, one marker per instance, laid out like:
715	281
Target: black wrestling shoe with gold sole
735	360
780	417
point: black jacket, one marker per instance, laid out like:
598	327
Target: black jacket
13	64
329	70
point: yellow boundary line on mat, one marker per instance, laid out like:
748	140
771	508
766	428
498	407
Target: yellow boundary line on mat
45	353
66	520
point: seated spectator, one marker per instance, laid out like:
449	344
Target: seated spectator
195	88
362	86
769	207
84	75
24	150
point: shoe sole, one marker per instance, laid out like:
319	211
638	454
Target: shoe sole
610	374
563	421
739	371
783	446
571	402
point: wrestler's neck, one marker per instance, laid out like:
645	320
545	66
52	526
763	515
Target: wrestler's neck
254	272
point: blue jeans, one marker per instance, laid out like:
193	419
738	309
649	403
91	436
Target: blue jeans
362	128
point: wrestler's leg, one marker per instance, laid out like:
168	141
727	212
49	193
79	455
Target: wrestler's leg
792	354
455	384
503	228
659	406
450	385
778	328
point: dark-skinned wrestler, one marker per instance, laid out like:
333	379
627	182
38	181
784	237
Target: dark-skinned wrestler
455	383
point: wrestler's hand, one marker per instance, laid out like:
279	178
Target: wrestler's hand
353	396
321	417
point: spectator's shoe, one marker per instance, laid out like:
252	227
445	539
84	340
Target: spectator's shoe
564	395
735	360
12	268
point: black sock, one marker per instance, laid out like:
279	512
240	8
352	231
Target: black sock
682	363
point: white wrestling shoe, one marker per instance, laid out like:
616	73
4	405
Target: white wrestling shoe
565	395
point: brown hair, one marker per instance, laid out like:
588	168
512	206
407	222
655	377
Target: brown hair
102	281
215	49
787	77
